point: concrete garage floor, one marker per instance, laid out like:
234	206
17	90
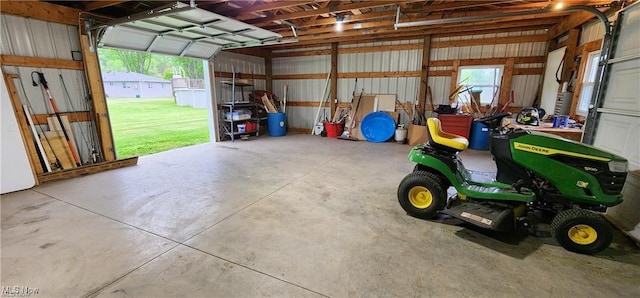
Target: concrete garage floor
289	217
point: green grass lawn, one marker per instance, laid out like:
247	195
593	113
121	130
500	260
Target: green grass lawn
145	126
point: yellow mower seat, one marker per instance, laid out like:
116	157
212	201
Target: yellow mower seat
439	137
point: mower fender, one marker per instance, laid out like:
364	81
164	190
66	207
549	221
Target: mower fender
435	165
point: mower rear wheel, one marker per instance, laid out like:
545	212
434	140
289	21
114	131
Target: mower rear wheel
421	194
581	231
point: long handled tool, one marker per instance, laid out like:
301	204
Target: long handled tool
43	154
52	102
324	92
94	154
511	100
350	114
348	134
284	104
28	110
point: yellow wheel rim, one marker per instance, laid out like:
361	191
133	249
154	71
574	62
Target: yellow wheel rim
583	234
420	197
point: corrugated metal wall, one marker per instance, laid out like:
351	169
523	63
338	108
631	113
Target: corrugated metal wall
594	30
35	38
591	31
246	67
406	88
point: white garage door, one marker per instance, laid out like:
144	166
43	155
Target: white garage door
618	129
182	30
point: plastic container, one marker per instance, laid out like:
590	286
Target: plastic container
333	129
250	126
480	135
276	123
377	127
560	121
242	127
238	115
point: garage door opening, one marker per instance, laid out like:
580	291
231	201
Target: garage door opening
156	102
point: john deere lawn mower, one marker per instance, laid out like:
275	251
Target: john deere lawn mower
568	181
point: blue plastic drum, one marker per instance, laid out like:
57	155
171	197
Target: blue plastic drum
377	127
480	135
276	123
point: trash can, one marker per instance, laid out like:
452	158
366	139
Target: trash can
480	135
276	123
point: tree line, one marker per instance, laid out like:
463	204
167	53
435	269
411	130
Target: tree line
161	66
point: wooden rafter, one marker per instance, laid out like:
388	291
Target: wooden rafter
387	28
93	5
390	23
265	7
437	31
334	9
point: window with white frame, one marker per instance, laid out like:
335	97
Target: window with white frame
126	85
483	77
588	82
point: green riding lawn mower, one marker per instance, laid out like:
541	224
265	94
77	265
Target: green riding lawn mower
537	173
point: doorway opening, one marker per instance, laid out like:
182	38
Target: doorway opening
156	102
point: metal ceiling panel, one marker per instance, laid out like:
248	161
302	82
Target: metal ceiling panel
182	30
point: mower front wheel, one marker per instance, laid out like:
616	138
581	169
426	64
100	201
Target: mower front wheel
581	231
421	194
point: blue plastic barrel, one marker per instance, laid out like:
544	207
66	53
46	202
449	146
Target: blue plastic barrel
276	123
480	135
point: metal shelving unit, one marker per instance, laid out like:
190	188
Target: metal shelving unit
229	124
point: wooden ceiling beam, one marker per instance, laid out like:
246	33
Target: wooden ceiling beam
466	29
42	11
94	5
390	23
332	9
352	19
574	20
438	8
451	5
265	6
299	46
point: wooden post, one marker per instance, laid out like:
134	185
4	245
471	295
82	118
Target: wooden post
505	85
334	78
424	74
578	87
25	132
569	65
454	78
101	112
268	69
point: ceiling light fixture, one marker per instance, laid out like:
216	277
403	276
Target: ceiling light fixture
559	5
339	20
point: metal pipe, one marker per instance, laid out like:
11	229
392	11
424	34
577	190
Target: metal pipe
397	18
469	18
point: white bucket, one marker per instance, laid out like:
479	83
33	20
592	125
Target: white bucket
242	127
317	129
401	134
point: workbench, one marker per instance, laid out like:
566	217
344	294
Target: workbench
568	133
